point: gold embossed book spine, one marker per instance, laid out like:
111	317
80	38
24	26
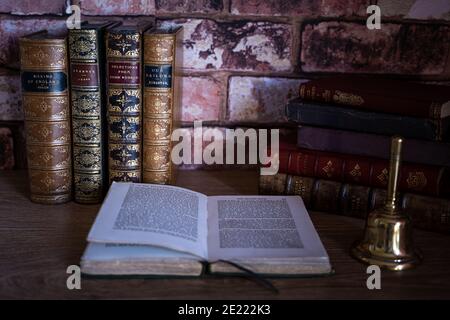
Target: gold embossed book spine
162	59
45	98
88	112
124	90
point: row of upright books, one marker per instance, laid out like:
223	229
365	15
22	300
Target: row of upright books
100	104
339	163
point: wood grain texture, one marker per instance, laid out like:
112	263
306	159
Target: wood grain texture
38	242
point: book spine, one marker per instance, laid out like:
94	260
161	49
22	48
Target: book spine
371	145
88	114
301	186
345	118
160	51
124	101
370	101
275	184
355	200
44	77
427	213
415	178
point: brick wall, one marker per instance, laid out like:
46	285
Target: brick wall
244	58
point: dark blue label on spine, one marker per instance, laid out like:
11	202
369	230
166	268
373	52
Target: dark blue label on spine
53	81
158	76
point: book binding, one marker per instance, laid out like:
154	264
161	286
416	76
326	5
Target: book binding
373	172
88	112
44	76
347	118
356	143
161	94
380	95
429	213
124	56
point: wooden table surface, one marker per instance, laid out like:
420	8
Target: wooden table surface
38	243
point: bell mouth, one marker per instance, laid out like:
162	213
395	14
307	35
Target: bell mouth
360	252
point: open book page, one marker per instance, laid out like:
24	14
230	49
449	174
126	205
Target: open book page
158	215
251	227
111	251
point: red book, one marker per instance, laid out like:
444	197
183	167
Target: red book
381	95
373	172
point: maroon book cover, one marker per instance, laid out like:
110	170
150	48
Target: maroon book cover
381	95
373	172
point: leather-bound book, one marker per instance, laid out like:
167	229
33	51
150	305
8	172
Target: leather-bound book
372	145
87	74
124	90
161	98
301	186
350	118
44	77
381	95
273	184
369	171
429	213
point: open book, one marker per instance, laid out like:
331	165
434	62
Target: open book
145	229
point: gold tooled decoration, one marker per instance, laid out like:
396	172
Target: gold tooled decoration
157	102
46	56
347	98
86	104
83	44
416	180
161	49
87	158
50	182
45	107
157	157
86	131
48	132
158	129
125	176
383	176
125	42
124	155
49	157
328	169
125	105
356	171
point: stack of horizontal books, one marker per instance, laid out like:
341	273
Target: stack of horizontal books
340	162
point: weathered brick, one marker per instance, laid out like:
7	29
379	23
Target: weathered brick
12	28
202	99
315	8
415	9
257	99
117	7
184	6
6	149
414	49
238	45
29	7
10	96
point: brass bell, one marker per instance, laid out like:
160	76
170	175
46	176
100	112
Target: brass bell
388	240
